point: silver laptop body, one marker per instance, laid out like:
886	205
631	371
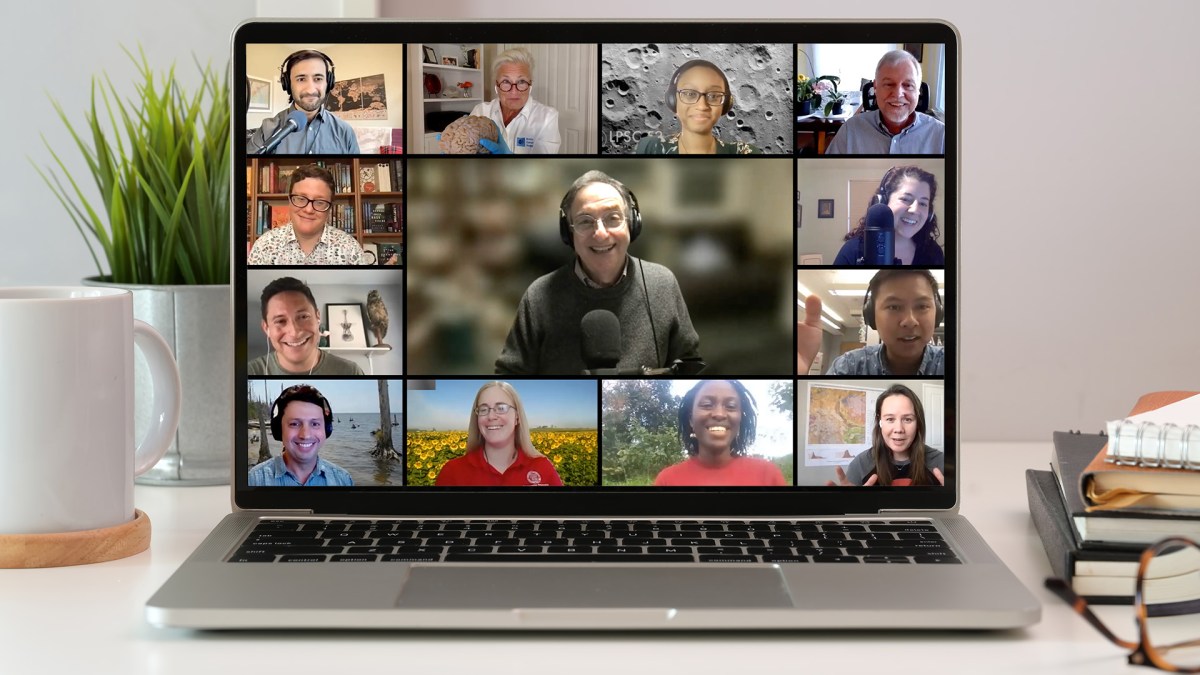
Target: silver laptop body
210	591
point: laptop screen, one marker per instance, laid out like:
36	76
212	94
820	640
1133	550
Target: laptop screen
510	269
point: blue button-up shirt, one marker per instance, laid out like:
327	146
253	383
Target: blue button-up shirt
275	472
869	361
324	135
866	134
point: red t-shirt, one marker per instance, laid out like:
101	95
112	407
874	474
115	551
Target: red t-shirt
739	471
473	469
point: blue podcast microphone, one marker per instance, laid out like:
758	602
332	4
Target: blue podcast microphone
879	245
296	121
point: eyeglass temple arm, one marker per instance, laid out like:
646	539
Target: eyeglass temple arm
1064	591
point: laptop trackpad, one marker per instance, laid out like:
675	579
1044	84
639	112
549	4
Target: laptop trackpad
513	586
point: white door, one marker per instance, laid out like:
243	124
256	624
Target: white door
933	397
562	74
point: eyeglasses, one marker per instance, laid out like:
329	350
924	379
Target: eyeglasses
500	408
1166	606
690	96
300	201
588	225
521	85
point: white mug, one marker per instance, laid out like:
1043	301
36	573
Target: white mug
67	451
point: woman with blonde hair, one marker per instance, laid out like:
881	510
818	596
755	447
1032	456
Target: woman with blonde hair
528	127
499	447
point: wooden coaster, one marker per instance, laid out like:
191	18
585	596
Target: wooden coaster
61	549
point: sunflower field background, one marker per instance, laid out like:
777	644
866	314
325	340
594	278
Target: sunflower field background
573	452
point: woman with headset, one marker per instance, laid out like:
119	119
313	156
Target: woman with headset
898	455
699	97
909	192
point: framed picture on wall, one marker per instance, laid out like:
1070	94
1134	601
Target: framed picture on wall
430	55
346	325
824	208
260	93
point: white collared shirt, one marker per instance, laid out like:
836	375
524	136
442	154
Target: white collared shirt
534	131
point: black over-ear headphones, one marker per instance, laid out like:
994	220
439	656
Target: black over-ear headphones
876	282
300	392
634	218
672	91
285	69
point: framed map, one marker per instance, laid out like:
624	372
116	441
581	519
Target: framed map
840	423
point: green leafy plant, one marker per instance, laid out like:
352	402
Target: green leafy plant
161	166
829	92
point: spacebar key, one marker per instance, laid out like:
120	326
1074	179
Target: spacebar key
570	557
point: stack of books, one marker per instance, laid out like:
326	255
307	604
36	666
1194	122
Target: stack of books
1108	496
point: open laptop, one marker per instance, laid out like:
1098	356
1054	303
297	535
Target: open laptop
370	466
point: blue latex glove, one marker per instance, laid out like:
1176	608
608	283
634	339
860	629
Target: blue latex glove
499	147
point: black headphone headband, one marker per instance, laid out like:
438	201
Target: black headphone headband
285	69
873	288
305	393
672	91
634	218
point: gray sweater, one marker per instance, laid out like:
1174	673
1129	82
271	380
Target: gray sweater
545	337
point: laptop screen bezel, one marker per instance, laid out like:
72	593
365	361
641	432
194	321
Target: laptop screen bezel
600	501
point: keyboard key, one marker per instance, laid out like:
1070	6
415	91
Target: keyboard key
521	549
937	559
259	557
824	558
374	550
885	558
412	557
354	557
728	558
303	558
784	558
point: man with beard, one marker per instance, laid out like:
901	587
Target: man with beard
306	77
292	324
895	128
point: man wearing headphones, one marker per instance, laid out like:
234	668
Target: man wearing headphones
306	77
598	218
894	127
301	420
904	306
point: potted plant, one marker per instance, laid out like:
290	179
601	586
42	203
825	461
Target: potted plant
160	162
805	94
826	87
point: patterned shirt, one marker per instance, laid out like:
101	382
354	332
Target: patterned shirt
869	361
324	135
275	472
657	145
865	134
280	247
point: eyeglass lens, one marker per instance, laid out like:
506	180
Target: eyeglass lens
1171	597
691	96
300	201
500	408
611	221
521	85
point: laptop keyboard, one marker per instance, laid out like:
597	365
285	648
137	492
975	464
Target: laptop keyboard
595	541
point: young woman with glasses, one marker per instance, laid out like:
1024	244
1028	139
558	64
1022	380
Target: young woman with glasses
699	97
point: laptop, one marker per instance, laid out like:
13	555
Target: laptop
506	359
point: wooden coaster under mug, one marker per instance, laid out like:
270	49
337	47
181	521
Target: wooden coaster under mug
62	549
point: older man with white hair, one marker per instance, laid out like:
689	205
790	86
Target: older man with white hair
528	127
895	128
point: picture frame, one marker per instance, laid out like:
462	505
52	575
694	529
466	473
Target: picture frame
259	93
430	55
917	49
824	208
449	61
347	325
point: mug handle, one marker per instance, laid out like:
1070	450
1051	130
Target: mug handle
164	375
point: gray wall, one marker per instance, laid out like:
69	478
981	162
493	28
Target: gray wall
1051	97
634	80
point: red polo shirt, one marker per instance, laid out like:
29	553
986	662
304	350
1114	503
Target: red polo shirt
739	471
473	469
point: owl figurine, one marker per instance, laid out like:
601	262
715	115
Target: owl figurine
377	312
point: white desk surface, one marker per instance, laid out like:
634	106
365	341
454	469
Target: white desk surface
90	619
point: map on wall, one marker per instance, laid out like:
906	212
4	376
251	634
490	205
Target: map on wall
359	98
839	425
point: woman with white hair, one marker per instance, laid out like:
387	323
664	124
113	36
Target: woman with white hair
529	127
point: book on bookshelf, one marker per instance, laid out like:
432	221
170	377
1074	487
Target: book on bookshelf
390	253
383	177
1151	459
1113	527
367	178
